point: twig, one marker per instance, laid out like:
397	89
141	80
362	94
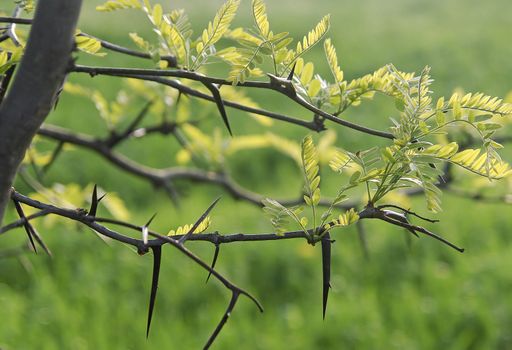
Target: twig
150	74
161	177
171	60
15	20
407	211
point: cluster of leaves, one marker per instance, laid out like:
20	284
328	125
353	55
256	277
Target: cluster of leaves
280	215
173	30
381	171
262	43
181	230
421	130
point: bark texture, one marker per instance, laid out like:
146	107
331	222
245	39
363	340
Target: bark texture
36	84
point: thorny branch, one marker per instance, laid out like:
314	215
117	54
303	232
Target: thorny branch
83	217
281	87
97	224
165	177
158	177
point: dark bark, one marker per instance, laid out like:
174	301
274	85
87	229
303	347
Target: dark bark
33	91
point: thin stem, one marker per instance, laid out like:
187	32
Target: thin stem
15	20
145	73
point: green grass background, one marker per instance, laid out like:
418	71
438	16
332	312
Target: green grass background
93	296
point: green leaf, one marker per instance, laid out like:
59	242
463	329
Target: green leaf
216	29
354	178
88	45
113	5
259	12
310	40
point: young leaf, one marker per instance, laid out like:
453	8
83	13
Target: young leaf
259	11
216	29
310	167
88	44
113	5
345	219
197	224
332	59
310	40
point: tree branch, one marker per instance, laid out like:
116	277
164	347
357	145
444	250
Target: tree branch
16	20
35	86
150	74
161	177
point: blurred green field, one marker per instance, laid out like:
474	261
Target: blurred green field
94	296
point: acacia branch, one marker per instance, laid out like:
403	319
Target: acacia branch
89	219
170	59
166	176
150	74
81	215
161	177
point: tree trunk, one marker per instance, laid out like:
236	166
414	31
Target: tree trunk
34	89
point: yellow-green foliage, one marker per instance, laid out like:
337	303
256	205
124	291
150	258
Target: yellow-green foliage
310	40
215	30
305	83
88	45
174	31
7	62
280	215
332	59
112	112
474	160
340	161
310	166
345	219
140	42
113	5
182	230
259	11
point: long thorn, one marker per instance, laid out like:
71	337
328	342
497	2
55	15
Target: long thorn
150	220
39	240
418	229
326	270
198	222
26	224
214	261
292	72
94	201
157	259
220	104
138	119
